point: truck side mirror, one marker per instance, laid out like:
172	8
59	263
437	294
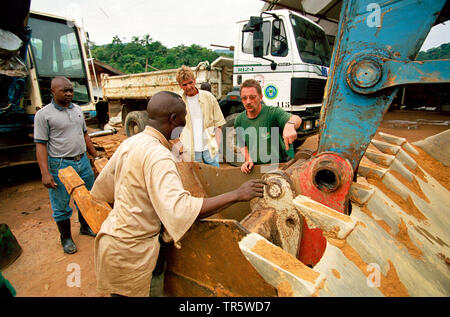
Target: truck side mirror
253	25
258	44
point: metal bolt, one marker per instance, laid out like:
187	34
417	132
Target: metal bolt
366	73
274	189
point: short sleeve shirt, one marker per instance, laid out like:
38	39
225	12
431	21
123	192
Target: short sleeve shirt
62	129
212	119
142	180
263	135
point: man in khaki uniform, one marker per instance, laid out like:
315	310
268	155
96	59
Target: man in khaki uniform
142	180
202	136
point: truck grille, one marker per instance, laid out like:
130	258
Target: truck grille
307	90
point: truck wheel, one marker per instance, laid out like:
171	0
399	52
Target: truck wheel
135	122
230	153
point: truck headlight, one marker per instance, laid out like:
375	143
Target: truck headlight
307	125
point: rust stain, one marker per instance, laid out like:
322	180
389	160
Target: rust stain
336	273
391	80
390	284
284	260
360	223
285	289
221	291
418	172
407	206
381	20
412	185
444	258
403	237
436	169
429	236
319	287
381	222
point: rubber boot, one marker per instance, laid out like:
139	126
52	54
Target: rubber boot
66	236
84	227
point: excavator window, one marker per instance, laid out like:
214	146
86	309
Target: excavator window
56	52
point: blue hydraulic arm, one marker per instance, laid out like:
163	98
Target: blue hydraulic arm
376	45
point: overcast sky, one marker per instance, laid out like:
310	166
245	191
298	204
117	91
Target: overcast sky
172	22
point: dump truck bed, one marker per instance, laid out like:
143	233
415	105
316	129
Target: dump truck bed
143	85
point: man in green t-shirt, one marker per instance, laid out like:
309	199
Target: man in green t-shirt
258	129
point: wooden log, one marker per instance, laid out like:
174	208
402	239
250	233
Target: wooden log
93	210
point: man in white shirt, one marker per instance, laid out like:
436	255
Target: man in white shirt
202	135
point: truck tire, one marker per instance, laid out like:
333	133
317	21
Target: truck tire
229	152
135	122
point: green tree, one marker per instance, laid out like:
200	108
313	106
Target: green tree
132	57
441	52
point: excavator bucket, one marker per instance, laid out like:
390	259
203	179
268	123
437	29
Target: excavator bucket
395	242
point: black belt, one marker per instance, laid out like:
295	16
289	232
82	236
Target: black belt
74	158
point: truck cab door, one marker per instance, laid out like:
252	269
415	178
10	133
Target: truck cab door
263	53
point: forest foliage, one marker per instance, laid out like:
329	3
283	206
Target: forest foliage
141	52
440	52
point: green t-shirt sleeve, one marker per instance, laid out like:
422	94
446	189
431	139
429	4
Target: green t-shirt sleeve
281	116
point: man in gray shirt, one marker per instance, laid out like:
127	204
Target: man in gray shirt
61	138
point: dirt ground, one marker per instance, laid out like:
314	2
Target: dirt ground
43	270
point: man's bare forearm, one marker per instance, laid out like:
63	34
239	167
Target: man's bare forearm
215	204
218	133
42	158
90	146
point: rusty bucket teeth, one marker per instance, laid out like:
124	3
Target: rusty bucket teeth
360	193
280	269
387	148
398	151
401	240
333	223
398	141
380	158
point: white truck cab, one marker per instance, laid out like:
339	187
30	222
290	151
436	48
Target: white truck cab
290	56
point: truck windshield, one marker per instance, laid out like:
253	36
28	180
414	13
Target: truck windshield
56	52
311	42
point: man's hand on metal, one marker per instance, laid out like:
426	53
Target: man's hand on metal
251	189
